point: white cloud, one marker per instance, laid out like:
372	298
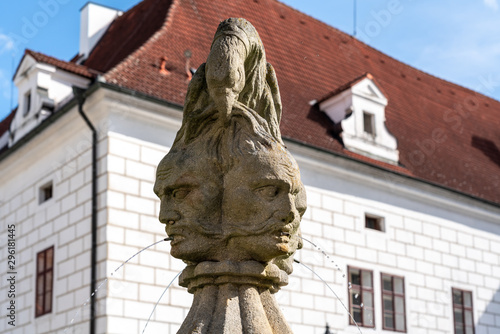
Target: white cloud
6	43
493	4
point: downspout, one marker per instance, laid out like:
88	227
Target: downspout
78	93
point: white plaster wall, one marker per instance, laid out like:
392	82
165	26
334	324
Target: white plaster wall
61	155
132	225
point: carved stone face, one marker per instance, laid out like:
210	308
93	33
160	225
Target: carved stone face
190	191
263	203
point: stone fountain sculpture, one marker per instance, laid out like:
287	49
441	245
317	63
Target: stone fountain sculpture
231	195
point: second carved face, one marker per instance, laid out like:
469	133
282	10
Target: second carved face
262	206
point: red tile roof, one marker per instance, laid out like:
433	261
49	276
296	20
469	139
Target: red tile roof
64	65
128	33
5	123
447	134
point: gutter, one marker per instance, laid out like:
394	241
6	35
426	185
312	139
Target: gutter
79	96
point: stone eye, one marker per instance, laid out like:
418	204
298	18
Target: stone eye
180	193
269	192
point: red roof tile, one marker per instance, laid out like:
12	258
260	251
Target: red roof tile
128	33
64	65
5	123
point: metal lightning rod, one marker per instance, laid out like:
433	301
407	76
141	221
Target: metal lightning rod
354	18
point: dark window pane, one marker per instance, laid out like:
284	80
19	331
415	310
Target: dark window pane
375	223
356	314
44	281
368	123
389	320
459	329
458	316
387	282
355	298
388	303
457	297
355	277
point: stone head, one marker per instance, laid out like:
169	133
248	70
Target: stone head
262	206
190	190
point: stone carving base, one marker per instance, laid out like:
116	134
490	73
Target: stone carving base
234	297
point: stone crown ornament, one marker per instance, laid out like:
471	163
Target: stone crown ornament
231	195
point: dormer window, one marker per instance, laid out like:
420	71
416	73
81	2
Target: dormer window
369	123
359	108
27	103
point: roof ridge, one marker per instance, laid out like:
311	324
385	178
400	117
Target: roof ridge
345	86
59	63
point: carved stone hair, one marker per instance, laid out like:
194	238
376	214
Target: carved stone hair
236	45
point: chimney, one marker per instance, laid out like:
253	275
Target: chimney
94	21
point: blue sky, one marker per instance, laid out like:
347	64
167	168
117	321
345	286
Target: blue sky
457	40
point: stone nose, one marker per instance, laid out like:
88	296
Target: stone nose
169	216
290	217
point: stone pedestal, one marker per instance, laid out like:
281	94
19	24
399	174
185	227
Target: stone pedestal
234	297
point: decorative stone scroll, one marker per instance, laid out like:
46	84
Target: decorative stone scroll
231	195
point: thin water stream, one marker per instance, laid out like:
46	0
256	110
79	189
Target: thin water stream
338	269
112	273
154	308
329	287
171	282
325	255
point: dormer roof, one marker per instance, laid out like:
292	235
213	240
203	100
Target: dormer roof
61	64
359	108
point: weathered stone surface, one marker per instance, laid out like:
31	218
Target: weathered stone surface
231	195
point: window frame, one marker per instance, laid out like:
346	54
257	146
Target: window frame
379	222
361	290
42	192
27	103
370	117
393	294
463	308
44	306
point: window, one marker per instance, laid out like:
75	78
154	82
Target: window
462	312
361	297
44	281
368	123
27	103
45	192
393	303
374	223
